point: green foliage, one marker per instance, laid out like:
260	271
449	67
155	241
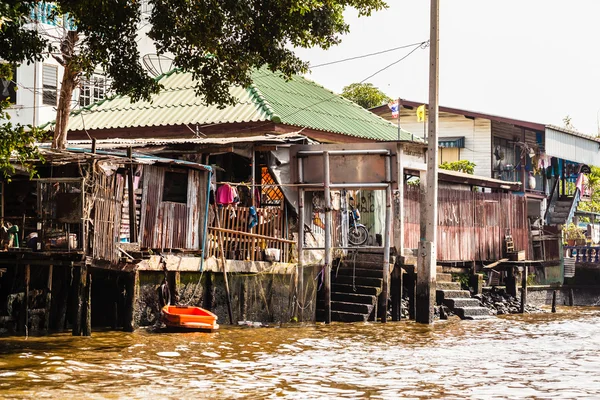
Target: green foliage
593	205
365	95
18	144
572	232
461	166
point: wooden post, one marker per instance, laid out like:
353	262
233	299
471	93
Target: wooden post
131	295
426	271
327	266
571	298
24	314
224	262
63	297
87	305
554	301
524	289
396	292
511	282
93	145
79	286
133	234
48	298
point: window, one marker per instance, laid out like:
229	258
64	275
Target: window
176	187
92	90
8	88
448	154
50	84
271	195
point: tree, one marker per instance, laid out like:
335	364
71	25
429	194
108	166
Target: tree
593	204
568	122
365	95
219	42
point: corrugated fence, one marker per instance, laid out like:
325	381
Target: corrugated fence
471	225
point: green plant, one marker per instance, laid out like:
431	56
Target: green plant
463	279
572	232
465	166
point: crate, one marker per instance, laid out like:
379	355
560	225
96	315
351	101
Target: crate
516	255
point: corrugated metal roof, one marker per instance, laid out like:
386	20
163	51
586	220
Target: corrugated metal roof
569	146
298	102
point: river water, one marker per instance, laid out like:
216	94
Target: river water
533	356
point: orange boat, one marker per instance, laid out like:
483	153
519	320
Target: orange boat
189	318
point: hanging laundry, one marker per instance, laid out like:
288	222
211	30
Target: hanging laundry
252	218
227	194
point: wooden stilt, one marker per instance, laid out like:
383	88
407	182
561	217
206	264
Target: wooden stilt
554	301
224	262
87	306
63	297
79	282
396	293
24	314
48	298
571	298
524	290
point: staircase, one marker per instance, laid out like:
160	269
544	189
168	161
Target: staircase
356	282
459	301
563	209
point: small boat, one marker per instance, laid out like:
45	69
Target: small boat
184	318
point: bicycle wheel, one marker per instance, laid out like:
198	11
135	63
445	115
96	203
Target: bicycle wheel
358	235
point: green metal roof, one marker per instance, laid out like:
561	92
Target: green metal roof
298	102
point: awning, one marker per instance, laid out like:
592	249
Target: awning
452	141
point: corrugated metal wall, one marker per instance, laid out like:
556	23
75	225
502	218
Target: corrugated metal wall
471	225
572	148
171	225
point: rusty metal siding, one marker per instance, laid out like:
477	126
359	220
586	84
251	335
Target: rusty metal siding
171	225
471	225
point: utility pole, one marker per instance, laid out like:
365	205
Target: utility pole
426	262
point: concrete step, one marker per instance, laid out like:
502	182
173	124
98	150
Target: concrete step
443	277
352	307
461	302
447	285
358	280
366	272
478	317
441	295
341	316
465	312
348	288
354	298
368	264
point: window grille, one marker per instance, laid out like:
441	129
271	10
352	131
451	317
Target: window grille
92	90
270	195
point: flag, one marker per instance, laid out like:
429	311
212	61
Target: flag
394	106
421	113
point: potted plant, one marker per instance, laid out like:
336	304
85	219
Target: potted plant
574	236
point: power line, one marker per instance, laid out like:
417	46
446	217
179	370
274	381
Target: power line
370	54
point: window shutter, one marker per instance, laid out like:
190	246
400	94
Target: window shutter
50	84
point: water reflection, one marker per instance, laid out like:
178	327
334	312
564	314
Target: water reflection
544	355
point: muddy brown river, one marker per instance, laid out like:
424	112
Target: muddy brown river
520	356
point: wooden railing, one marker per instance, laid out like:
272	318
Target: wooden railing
244	244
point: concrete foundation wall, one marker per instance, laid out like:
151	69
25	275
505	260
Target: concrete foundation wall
267	298
582	295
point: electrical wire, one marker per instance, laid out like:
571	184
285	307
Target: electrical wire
369	55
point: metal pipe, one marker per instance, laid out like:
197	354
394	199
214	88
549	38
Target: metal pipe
386	242
343	152
205	221
301	222
253	178
327	267
319	187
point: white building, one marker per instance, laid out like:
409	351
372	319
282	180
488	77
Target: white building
35	88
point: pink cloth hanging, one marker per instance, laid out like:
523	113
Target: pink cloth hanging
226	194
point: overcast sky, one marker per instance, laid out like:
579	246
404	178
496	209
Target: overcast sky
537	60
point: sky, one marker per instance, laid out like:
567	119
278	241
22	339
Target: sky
535	60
